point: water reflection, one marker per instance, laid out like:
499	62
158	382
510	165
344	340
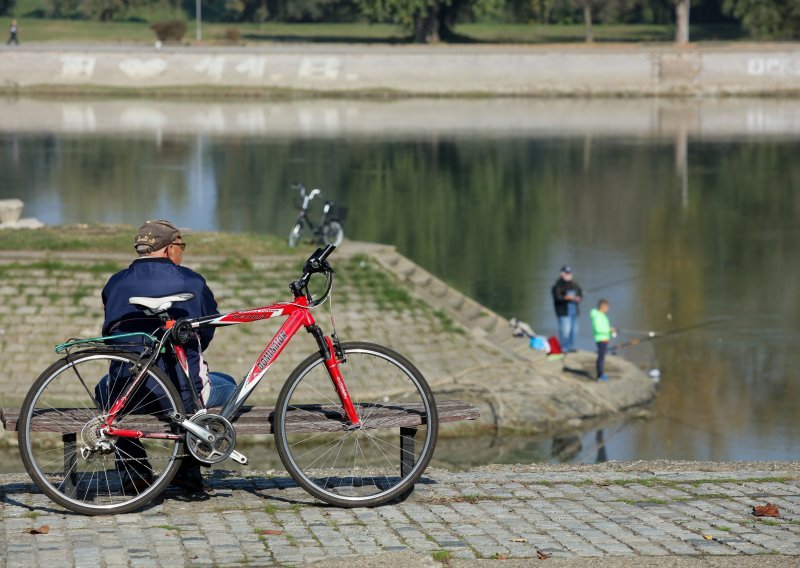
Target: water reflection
679	213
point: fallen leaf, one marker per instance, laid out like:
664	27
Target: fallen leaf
768	510
501	556
271	532
708	537
519	540
542	555
44	529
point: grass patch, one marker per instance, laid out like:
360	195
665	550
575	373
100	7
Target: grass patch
236	248
769	523
33	515
363	273
447	323
87	31
441	555
168	528
270	509
645	501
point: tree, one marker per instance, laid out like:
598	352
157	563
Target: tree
766	18
429	20
103	10
682	21
6	6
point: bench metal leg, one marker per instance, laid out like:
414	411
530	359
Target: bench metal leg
70	461
407	457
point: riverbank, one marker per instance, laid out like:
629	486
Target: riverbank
627	514
766	69
465	351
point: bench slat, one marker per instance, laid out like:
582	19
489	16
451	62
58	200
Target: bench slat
258	419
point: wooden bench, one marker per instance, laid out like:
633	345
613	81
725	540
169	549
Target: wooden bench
258	420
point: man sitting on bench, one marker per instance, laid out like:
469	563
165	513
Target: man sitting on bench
158	272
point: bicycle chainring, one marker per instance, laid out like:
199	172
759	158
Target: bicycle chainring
212	452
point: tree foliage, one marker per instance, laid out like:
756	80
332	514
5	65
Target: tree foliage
767	19
103	10
6	6
429	20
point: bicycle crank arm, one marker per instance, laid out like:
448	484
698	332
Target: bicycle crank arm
239	458
195	429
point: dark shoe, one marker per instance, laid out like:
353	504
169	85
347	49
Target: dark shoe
189	478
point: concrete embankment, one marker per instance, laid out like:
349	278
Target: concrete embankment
409	70
657	514
464	350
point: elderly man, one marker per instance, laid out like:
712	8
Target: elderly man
158	272
567	296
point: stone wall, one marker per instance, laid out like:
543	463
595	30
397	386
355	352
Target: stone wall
509	70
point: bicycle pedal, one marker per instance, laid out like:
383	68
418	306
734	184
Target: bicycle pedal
239	458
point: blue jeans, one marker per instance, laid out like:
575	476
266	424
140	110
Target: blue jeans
567	328
222	387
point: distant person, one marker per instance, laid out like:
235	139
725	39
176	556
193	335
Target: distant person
602	330
12	33
567	296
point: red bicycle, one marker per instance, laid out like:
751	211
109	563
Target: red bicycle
336	422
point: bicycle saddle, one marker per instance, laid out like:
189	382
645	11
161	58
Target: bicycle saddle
154	306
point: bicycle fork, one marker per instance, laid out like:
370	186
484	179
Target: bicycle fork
331	354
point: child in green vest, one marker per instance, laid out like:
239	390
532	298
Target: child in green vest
602	330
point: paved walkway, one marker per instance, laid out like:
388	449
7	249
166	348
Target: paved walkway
645	513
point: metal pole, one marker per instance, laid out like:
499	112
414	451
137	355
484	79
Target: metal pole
198	19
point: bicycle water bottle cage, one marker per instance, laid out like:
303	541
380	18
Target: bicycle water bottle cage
156	306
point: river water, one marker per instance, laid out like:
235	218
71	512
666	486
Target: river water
683	214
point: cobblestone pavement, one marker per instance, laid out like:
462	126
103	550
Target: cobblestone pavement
645	513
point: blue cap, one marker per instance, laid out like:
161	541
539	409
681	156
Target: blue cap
566	268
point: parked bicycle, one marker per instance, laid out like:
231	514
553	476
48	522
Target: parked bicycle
328	231
335	424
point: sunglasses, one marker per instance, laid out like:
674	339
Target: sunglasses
182	246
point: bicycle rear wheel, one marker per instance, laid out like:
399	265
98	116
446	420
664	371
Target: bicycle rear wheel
370	465
64	451
333	233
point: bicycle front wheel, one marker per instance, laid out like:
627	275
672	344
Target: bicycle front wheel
371	464
294	236
66	453
333	233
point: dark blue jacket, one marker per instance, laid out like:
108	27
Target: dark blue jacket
154	277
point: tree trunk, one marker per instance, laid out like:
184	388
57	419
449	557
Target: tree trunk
587	20
426	26
682	21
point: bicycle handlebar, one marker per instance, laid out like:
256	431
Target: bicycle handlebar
316	264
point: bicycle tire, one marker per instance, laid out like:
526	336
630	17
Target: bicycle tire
295	234
324	463
333	233
103	482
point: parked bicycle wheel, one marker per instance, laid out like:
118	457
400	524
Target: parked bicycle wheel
370	465
294	236
333	233
64	451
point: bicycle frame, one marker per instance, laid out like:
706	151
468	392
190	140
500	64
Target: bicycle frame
298	315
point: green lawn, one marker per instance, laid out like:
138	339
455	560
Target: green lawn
83	31
119	238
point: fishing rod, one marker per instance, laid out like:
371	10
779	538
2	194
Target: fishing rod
651	335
